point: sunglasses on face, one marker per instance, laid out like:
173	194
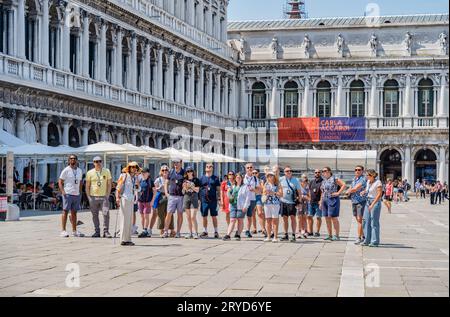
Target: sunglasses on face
325	171
165	170
190	171
316	172
249	167
358	170
97	162
288	171
73	158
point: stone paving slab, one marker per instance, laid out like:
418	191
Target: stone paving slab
412	261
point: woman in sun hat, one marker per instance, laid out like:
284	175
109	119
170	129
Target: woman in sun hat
127	187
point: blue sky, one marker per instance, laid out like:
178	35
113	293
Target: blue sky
273	9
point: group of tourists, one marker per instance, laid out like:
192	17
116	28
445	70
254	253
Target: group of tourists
252	196
437	191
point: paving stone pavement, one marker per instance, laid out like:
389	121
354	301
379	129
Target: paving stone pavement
413	261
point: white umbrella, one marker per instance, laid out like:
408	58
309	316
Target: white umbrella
38	149
154	153
177	154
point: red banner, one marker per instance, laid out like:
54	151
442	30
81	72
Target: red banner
295	130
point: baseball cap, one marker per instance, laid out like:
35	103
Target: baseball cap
97	158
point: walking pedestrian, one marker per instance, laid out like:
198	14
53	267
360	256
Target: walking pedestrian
259	211
191	188
314	206
70	185
98	189
174	191
291	197
358	201
240	201
438	195
423	190
433	189
210	197
388	194
417	188
332	188
127	188
372	213
146	199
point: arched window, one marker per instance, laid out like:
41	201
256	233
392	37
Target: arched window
391	99
92	137
357	100
323	99
259	101
426	98
291	100
52	135
74	137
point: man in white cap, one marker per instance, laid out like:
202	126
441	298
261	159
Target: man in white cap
98	189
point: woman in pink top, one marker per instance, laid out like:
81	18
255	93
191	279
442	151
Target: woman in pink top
388	194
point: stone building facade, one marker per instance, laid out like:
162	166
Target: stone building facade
391	70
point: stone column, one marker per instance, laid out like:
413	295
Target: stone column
20	125
191	83
132	71
340	99
65	40
226	109
42	168
159	71
233	102
373	105
191	13
85	45
170	77
210	90
274	104
118	67
407	102
201	86
44	32
244	101
20	31
443	175
101	55
407	164
181	81
119	137
146	82
306	106
442	110
200	15
216	107
65	133
85	135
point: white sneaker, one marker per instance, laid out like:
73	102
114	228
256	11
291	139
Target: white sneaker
267	240
77	234
64	234
135	230
275	240
149	233
196	236
178	235
189	236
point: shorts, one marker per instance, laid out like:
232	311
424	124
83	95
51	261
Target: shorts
71	203
209	208
190	201
331	207
251	208
272	211
145	208
288	210
400	191
387	198
302	209
175	204
236	214
259	200
314	210
135	207
358	209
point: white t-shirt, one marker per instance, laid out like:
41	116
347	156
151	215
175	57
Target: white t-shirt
72	179
251	183
371	189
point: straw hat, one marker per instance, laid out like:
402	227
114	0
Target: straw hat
138	169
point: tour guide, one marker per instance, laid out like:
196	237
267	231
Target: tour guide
98	189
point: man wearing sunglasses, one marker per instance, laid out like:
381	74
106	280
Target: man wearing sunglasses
291	194
210	196
98	189
70	184
359	185
251	182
